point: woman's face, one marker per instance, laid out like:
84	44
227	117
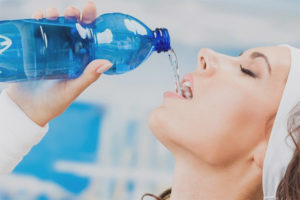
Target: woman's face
234	103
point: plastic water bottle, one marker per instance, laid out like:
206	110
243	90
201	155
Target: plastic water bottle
61	49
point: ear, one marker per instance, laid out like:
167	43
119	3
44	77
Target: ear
259	154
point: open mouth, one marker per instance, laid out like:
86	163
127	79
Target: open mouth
186	90
187	86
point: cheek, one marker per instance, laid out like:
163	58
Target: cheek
227	124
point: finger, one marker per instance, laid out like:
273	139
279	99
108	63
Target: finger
38	14
89	13
72	12
51	13
91	73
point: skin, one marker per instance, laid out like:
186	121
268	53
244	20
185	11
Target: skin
219	137
44	101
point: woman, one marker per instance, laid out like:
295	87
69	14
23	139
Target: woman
219	137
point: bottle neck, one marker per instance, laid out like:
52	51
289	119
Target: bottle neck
161	40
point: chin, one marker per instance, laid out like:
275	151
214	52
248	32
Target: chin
156	120
160	123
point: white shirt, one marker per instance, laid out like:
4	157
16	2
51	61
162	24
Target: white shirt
18	134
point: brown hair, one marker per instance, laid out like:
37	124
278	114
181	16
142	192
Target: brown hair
164	196
289	187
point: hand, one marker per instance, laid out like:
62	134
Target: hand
44	100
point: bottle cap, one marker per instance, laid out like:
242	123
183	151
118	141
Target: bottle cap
162	40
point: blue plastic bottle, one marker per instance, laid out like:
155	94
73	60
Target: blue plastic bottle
61	49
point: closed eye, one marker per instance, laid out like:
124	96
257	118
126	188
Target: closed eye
248	72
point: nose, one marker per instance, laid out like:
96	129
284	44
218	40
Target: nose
208	62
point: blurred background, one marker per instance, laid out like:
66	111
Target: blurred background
101	147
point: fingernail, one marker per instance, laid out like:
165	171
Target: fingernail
51	13
38	14
104	68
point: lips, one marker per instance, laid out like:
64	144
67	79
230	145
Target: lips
173	95
187	88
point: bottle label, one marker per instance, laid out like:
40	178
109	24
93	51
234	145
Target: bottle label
5	43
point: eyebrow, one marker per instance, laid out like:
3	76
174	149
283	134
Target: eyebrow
260	55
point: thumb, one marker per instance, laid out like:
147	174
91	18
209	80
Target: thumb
91	73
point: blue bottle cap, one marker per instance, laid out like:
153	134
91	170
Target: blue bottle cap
162	40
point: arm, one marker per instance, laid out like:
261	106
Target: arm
18	134
27	107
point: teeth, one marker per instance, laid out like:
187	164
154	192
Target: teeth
186	90
186	84
187	95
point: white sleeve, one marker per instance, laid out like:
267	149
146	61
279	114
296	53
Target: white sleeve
18	134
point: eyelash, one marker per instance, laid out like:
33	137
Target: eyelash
248	72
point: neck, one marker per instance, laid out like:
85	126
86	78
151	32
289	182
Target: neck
196	181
